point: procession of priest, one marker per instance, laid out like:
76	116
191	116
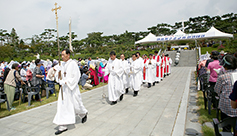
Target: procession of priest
121	75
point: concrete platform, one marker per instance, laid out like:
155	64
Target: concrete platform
157	111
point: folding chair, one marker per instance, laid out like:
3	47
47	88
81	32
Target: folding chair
219	124
30	91
50	88
3	99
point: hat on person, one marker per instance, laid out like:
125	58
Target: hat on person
83	62
41	62
216	53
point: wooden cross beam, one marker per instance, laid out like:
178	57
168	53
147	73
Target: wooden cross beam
56	9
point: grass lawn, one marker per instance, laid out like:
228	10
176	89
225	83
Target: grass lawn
24	106
209	49
204	116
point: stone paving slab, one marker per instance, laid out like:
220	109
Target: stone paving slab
153	112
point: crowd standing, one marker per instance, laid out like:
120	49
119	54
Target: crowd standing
221	71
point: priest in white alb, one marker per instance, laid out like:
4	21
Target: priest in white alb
126	70
141	65
135	76
115	83
150	66
69	99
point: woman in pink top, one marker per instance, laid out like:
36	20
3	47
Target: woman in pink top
212	66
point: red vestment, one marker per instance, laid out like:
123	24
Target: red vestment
165	64
94	76
157	67
161	72
144	70
168	64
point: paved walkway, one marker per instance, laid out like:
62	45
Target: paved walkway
156	111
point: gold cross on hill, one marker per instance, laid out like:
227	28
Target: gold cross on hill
56	9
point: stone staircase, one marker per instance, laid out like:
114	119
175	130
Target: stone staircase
187	58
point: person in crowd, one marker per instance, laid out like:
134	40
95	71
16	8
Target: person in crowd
157	59
101	72
48	65
213	54
125	76
223	88
29	75
94	76
85	82
50	77
115	83
10	84
2	64
150	66
5	73
79	59
69	99
37	76
89	61
233	98
212	66
42	68
135	77
23	72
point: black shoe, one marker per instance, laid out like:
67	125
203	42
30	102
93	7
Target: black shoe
126	90
149	85
154	84
135	93
59	132
84	119
113	102
121	97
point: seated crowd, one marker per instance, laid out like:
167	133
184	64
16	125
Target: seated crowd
41	74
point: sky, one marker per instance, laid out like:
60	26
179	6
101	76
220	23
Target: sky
31	17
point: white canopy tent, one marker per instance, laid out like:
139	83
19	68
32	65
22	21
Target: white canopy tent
179	35
150	38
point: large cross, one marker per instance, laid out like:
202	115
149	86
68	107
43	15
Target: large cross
56	13
56	10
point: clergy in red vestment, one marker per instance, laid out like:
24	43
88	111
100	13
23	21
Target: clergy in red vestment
157	59
144	69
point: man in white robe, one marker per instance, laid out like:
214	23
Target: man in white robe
135	76
126	70
150	66
157	59
141	65
115	83
168	63
70	103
